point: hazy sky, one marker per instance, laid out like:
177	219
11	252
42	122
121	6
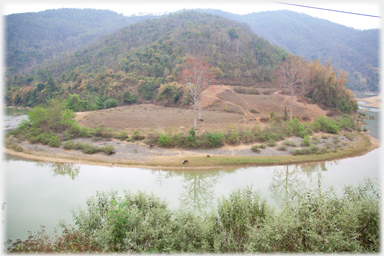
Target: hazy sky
129	7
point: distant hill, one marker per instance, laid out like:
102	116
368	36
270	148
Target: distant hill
132	63
352	50
38	38
34	37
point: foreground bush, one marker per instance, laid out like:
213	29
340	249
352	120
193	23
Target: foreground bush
310	220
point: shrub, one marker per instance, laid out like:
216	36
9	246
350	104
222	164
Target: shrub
256	149
247	137
179	139
289	143
310	219
85	132
321	123
298	128
350	136
190	141
151	138
98	131
108	132
303	151
136	135
347	123
282	148
332	128
305	142
123	136
34	139
313	148
213	140
107	149
266	135
111	103
233	138
271	143
54	141
44	138
128	97
18	148
243	209
68	144
165	140
262	146
254	110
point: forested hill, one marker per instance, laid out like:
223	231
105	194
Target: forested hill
34	37
138	59
352	50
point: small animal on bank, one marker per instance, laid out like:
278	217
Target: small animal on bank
208	156
185	161
152	145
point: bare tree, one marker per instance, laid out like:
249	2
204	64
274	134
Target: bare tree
293	77
197	76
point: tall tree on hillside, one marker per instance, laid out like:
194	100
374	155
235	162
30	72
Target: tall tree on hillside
197	76
293	77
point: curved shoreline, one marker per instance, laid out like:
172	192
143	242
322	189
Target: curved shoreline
363	145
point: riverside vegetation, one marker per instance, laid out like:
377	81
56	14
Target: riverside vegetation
309	219
53	124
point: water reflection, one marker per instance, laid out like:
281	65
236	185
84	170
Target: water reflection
285	179
63	169
198	188
160	175
288	180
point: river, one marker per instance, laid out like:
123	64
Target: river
41	193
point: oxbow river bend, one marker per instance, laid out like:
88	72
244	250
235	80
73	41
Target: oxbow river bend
41	193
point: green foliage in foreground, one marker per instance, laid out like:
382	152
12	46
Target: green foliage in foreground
310	220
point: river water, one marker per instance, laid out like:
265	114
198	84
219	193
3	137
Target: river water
41	193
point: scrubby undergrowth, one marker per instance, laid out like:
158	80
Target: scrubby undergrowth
308	220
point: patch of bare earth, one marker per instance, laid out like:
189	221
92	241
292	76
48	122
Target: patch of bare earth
221	106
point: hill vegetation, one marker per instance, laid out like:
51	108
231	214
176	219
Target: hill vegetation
143	62
139	58
348	49
32	38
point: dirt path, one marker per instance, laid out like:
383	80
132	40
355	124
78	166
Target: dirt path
246	112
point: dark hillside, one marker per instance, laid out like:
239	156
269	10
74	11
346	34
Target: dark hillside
34	37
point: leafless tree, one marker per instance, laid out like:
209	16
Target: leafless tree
293	77
197	76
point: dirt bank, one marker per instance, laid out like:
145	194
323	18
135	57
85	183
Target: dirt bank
140	155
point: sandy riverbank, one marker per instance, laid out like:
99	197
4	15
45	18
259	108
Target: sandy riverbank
139	155
374	102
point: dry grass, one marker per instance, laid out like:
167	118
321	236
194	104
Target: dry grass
148	116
